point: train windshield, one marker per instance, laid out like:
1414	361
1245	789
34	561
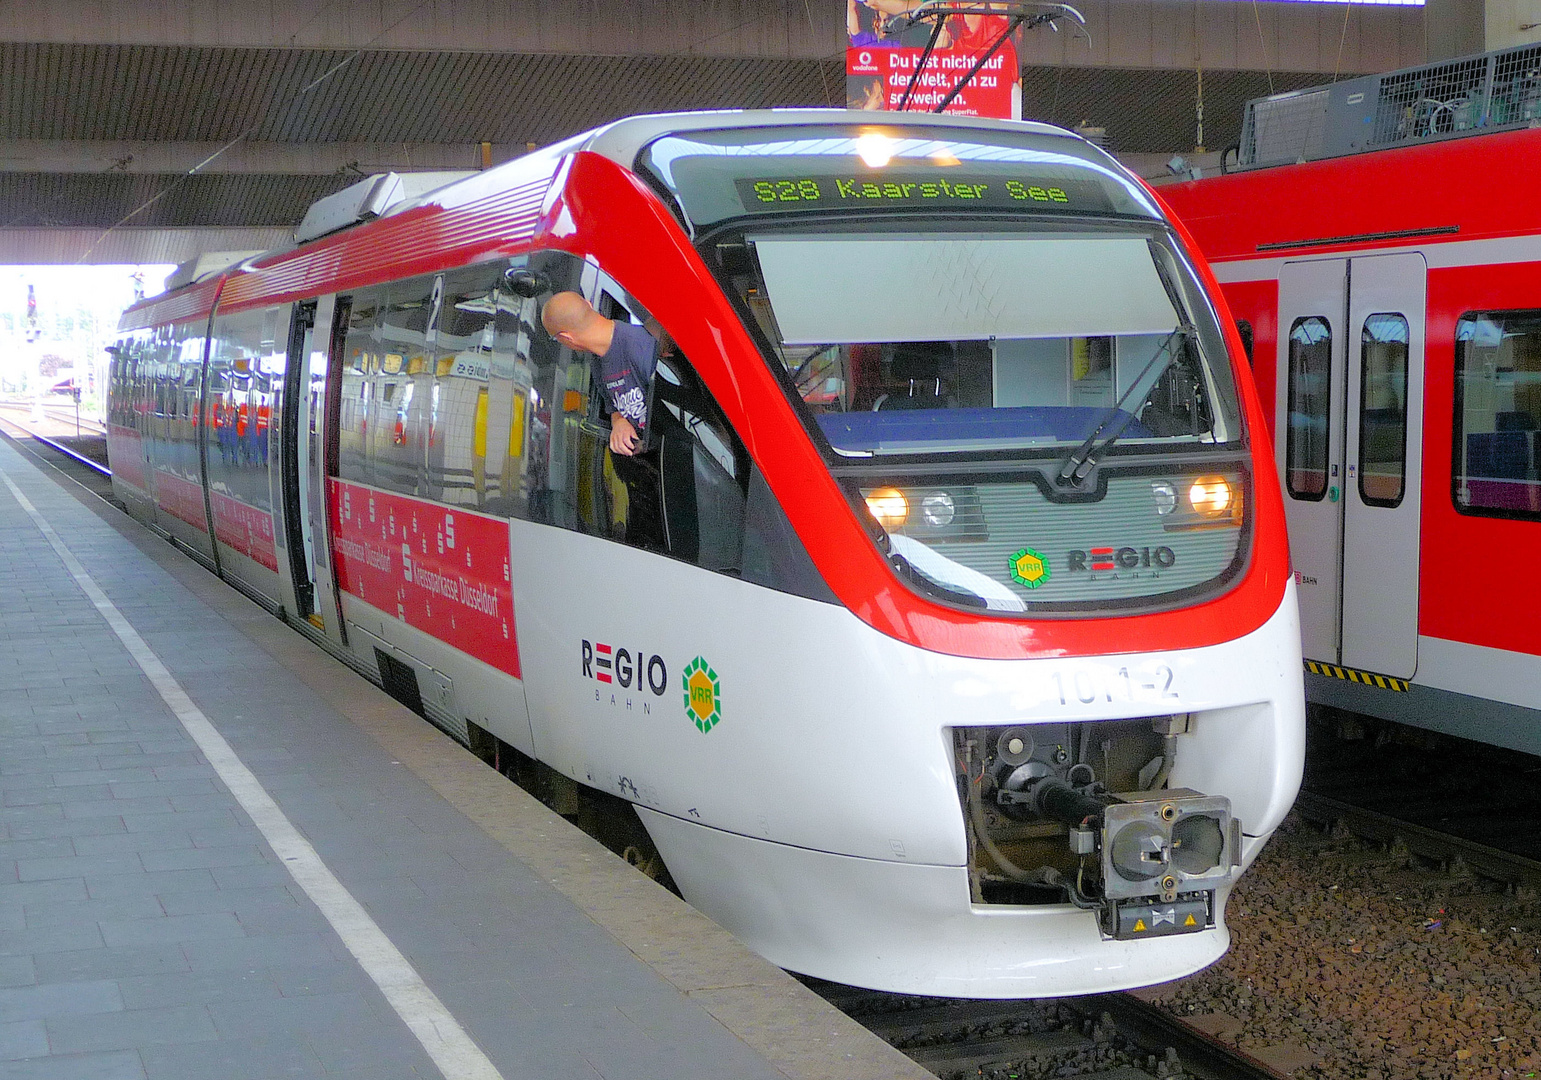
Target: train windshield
1060	312
1008	361
944	342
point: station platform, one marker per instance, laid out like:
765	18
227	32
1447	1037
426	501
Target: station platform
223	854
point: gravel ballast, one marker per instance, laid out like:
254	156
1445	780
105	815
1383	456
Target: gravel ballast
1373	964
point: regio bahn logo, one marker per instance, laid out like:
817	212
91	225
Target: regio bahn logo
625	668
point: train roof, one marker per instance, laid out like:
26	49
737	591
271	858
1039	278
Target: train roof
622	140
1438	192
392	195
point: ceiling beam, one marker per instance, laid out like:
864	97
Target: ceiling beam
1213	34
295	159
31	247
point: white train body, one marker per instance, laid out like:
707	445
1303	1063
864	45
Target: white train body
843	724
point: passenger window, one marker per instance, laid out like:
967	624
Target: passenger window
1383	410
1310	392
461	407
1497	466
361	360
399	418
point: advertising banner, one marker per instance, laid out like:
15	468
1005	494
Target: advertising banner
883	53
440	569
246	529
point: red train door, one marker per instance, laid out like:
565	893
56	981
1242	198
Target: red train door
1351	373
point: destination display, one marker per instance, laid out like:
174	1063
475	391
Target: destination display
920	190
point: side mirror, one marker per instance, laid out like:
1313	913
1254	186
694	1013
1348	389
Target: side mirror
525	283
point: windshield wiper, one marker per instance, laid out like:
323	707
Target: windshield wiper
1117	421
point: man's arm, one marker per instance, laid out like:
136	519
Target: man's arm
623	436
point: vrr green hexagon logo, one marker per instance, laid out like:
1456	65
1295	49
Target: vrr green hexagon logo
1029	568
703	694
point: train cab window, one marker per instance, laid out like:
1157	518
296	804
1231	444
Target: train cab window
1244	328
1497	452
1310	391
1383	410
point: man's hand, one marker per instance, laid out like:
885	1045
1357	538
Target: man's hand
623	436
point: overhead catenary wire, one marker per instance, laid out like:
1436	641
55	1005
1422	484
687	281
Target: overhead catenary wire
1342	39
244	135
1262	43
823	78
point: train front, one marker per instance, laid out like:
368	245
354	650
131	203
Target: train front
1056	708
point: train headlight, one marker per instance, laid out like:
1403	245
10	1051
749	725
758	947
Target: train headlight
889	506
1211	496
1208	501
875	149
938	509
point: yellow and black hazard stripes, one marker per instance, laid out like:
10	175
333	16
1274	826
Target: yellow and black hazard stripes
1364	678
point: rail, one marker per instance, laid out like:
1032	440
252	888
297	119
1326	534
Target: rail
964	1037
60	448
1420	840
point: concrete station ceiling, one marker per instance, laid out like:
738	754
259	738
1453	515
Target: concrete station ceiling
100	115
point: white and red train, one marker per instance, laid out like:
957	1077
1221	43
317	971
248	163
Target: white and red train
1393	300
943	636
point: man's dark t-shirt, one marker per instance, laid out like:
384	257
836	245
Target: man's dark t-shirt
626	369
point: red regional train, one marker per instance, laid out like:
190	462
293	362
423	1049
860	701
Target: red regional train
941	634
1391	296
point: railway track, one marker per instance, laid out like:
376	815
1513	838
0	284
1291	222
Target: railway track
57	414
1489	862
89	473
1100	1037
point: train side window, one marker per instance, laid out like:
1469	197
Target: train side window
467	405
1310	382
1244	328
1383	410
361	360
1496	470
403	396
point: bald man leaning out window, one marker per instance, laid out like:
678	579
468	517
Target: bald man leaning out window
628	356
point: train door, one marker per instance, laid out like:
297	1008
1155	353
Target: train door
1351	376
305	438
1384	459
